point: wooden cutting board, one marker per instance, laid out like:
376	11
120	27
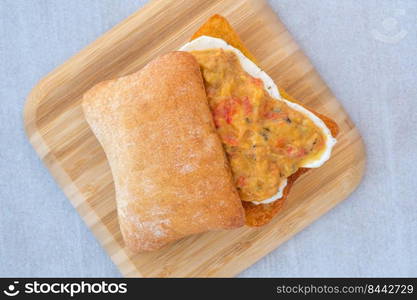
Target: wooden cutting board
58	131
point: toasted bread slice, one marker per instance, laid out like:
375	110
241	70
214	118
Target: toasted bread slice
256	215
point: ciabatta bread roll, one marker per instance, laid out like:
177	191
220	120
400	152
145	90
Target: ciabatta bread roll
170	172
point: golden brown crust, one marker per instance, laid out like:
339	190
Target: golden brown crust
218	26
257	215
170	172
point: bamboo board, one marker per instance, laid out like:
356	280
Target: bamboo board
58	131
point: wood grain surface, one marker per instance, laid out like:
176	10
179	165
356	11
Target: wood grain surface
58	131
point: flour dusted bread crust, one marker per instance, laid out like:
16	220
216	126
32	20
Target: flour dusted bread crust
170	172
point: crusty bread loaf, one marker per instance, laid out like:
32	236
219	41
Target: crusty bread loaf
170	172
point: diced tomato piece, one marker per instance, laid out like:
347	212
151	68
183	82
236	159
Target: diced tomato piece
226	109
301	152
257	81
241	181
269	115
295	152
272	115
235	101
280	143
229	111
291	150
218	115
231	140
